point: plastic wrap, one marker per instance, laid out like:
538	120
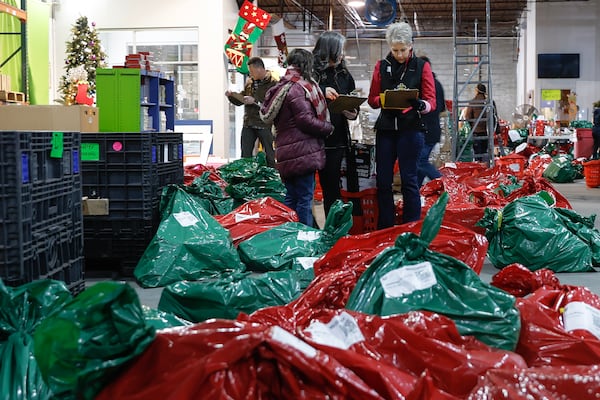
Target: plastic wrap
22	309
530	232
276	248
410	277
82	346
544	338
227	296
189	245
255	216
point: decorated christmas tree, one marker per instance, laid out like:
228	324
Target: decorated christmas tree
84	56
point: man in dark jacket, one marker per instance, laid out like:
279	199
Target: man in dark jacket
433	133
251	97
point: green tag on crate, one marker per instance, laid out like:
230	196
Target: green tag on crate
90	151
57	145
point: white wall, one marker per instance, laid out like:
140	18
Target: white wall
569	27
212	18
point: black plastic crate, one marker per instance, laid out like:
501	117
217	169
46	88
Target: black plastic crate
116	245
40	204
120	167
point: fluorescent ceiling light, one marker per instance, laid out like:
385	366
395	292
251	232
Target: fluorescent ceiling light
356	3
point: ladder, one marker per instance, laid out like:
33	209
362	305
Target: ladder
472	66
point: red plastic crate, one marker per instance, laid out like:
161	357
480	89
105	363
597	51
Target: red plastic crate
591	171
367	222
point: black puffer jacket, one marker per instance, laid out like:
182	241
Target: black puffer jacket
340	79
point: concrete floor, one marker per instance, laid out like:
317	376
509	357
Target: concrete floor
584	201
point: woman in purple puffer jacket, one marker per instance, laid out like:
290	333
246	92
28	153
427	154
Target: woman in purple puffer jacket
298	110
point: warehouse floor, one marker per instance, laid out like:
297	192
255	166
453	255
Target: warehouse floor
584	201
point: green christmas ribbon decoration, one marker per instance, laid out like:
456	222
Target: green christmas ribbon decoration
250	26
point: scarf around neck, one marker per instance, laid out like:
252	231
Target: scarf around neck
313	94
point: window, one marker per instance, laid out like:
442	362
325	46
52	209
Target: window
174	52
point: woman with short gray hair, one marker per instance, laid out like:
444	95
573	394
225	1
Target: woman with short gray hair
399	132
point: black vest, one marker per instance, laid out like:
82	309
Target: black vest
392	74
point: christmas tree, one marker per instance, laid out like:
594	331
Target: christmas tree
84	56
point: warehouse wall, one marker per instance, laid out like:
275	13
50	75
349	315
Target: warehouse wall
569	27
211	18
551	27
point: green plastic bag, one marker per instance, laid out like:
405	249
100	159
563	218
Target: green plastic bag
409	277
189	245
203	191
162	319
22	309
251	178
228	296
560	170
276	248
529	231
82	347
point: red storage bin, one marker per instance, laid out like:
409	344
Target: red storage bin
585	143
591	171
367	222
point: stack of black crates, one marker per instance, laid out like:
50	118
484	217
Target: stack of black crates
41	232
130	170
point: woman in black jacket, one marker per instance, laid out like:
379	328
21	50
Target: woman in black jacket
596	132
334	79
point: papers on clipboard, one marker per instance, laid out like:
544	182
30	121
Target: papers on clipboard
398	99
345	102
237	96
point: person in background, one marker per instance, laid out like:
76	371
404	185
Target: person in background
334	79
596	132
472	113
298	110
253	95
433	133
399	133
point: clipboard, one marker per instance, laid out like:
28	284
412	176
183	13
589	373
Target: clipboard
237	96
345	102
398	99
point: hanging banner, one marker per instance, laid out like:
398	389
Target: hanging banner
250	26
279	36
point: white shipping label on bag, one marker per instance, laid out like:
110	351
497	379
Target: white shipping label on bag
341	332
185	218
308	236
307	262
407	279
244	217
579	315
282	336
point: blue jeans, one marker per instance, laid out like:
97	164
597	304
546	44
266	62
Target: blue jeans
424	167
299	196
406	148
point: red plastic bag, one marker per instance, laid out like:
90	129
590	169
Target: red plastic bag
221	359
191	172
572	382
255	216
519	281
544	339
358	251
414	343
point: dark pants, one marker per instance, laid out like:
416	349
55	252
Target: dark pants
299	196
249	136
329	177
424	167
406	148
596	137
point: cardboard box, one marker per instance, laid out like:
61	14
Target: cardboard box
75	118
94	206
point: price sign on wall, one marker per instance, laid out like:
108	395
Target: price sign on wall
551	94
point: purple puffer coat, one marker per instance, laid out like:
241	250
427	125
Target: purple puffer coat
299	145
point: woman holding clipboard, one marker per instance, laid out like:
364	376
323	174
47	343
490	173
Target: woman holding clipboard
334	79
399	130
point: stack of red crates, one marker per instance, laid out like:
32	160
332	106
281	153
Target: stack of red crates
139	60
